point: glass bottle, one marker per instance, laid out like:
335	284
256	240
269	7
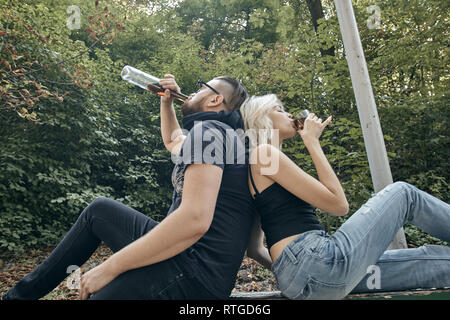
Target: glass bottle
148	82
300	118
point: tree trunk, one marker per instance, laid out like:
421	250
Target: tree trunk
316	11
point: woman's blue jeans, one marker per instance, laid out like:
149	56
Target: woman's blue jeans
117	225
354	259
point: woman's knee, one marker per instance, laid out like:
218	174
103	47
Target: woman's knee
402	184
396	186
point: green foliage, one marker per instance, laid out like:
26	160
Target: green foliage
103	139
99	142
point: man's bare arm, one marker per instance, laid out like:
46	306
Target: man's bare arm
181	229
177	232
171	132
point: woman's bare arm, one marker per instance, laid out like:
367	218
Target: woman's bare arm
326	193
256	249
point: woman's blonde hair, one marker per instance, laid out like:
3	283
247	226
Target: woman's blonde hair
255	115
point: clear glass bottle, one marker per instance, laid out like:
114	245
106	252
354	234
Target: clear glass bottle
148	82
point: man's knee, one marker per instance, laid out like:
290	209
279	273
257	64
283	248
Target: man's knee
100	205
100	202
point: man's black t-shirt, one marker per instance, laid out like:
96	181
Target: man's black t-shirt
217	256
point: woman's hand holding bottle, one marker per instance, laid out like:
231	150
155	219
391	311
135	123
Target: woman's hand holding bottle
313	128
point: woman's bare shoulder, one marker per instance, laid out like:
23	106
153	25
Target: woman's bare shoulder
265	158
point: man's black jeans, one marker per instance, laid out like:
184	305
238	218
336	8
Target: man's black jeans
117	225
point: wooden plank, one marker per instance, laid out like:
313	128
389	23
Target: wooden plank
260	295
434	294
441	294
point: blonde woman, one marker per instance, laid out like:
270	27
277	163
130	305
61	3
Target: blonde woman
308	263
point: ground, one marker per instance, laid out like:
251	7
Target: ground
251	276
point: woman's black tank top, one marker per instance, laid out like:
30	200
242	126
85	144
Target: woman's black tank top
282	213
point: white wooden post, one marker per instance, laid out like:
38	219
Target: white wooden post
365	101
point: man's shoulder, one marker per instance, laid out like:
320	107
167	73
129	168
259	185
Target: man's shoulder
215	128
211	124
217	136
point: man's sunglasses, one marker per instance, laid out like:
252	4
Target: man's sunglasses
203	83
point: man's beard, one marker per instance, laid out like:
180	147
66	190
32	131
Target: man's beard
188	108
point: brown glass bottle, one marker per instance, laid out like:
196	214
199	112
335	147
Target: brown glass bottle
300	118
